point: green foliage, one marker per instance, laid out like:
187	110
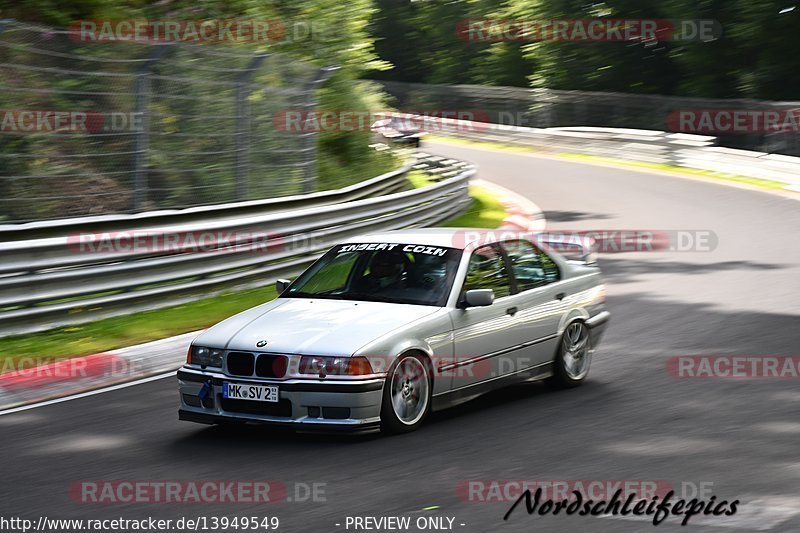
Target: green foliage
192	132
754	58
485	211
408	40
343	158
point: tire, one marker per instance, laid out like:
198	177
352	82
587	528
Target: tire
573	356
406	395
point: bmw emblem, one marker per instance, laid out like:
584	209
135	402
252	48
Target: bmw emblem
261	344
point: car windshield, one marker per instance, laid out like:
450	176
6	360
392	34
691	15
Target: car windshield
380	272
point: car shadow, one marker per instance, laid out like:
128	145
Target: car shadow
615	269
247	436
255	435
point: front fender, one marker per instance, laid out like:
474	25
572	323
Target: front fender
432	336
578	313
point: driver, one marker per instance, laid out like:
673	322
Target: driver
385	271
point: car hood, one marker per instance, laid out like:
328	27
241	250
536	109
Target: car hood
311	326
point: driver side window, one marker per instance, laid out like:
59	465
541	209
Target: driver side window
487	270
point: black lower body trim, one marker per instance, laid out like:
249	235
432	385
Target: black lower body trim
202	418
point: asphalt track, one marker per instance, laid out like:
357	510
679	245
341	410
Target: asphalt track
631	421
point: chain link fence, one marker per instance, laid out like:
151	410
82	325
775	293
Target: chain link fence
545	108
94	128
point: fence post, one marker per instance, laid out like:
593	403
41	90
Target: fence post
542	106
4	181
309	141
141	109
242	141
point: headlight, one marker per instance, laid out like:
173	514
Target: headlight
199	355
337	366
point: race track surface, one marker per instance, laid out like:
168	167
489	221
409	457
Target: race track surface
631	421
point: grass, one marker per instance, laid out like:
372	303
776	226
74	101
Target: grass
335	172
136	328
120	331
767	184
485	211
419	179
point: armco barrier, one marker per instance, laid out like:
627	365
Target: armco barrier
49	278
386	183
677	149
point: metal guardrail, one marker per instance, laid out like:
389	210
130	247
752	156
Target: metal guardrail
58	273
677	149
386	183
552	108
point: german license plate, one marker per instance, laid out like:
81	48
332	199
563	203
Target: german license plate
242	391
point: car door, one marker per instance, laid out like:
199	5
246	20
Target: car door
482	335
539	300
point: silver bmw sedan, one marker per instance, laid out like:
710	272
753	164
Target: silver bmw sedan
384	328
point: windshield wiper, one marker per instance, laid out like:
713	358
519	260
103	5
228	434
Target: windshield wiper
301	294
368	297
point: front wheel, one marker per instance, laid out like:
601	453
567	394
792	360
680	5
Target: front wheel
406	395
574	356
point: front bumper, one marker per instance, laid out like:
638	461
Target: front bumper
312	404
600	319
597	324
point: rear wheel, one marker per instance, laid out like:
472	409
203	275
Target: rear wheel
574	356
406	395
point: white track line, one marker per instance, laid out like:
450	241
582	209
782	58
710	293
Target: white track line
87	393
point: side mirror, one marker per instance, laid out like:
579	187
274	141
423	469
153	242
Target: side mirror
281	285
479	297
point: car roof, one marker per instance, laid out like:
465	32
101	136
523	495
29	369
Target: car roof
459	238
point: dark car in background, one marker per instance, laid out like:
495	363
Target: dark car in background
397	130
